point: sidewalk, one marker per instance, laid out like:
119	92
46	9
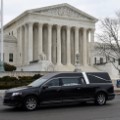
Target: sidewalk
117	91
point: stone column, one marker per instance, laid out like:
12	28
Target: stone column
92	35
30	42
19	46
76	40
18	51
85	47
40	39
68	46
58	44
20	43
91	44
26	45
49	41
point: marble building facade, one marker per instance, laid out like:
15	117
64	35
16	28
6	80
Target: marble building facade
54	33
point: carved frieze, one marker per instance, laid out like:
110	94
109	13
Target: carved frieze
63	12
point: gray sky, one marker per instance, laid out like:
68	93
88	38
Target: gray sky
97	8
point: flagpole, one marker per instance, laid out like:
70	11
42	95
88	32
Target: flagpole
1	61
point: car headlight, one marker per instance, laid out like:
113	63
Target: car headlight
16	94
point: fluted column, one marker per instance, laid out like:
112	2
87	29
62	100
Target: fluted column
58	45
92	35
76	40
30	42
85	46
40	39
91	45
21	52
26	45
49	41
68	46
18	52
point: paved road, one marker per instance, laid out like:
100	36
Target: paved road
111	111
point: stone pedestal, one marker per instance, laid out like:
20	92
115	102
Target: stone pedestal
77	63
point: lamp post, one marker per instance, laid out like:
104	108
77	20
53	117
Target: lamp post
1	57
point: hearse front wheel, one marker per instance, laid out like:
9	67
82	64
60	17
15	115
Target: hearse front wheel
100	99
30	103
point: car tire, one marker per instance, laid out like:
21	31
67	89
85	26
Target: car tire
100	99
30	103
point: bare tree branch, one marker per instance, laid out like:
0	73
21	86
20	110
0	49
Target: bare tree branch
109	39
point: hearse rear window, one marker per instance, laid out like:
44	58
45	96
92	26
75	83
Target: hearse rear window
99	78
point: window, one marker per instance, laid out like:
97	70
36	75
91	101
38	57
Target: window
98	77
11	57
71	81
95	60
54	82
101	60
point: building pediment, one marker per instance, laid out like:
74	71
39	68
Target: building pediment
64	10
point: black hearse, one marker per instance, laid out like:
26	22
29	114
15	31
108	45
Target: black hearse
62	88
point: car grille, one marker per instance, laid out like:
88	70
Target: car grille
7	95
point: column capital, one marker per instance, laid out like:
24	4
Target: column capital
69	27
30	23
40	24
77	28
59	26
92	30
86	29
50	25
25	25
20	26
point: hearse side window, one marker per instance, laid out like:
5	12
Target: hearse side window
99	78
71	81
54	82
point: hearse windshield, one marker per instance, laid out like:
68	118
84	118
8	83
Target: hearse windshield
37	82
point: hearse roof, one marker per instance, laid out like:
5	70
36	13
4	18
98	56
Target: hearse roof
61	74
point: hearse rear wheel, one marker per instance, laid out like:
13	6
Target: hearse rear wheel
100	99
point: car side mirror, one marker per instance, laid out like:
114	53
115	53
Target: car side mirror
45	87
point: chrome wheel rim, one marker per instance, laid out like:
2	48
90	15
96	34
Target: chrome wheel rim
31	103
101	99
